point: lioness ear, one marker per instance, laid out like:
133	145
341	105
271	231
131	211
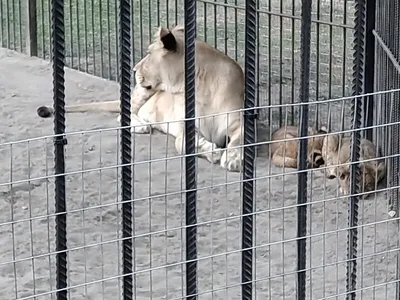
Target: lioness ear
167	38
169	42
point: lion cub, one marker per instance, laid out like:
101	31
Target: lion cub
372	172
284	153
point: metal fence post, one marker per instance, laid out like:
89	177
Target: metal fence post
60	141
356	114
302	151
249	150
31	28
190	143
395	165
369	72
126	146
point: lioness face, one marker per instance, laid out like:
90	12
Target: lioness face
163	66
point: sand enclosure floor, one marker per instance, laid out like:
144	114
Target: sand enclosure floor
94	221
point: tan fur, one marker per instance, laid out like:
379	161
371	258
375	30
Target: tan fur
219	89
159	96
372	172
285	153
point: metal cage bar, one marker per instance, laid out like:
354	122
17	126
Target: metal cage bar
190	144
126	147
249	150
302	150
368	102
356	115
58	58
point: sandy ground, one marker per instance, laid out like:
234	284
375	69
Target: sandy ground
94	217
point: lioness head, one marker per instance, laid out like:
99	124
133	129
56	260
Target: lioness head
163	66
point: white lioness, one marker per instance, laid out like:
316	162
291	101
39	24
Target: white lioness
159	97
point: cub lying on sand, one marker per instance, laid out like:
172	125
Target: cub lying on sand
285	153
159	96
336	151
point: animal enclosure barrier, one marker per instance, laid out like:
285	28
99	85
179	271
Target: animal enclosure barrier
134	219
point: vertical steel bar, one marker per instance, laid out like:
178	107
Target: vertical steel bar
49	20
126	147
394	205
395	147
58	39
20	26
249	151
117	58
281	60
14	23
85	33
356	111
394	195
292	112
302	152
78	34
93	37
270	111
108	40
369	71
190	160
43	29
101	39
318	64
71	34
1	24
31	28
8	22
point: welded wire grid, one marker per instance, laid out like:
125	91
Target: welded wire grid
93	177
92	38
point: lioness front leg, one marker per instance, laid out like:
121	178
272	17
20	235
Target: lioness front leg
143	104
205	148
233	156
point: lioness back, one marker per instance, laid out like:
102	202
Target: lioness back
220	76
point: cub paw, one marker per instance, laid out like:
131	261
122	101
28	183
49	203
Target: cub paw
343	191
232	159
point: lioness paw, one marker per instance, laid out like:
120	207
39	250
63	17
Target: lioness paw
214	156
137	125
232	160
140	128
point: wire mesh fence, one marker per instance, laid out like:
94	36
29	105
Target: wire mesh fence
93	180
135	218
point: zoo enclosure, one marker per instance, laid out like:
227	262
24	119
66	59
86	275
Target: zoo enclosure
381	44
